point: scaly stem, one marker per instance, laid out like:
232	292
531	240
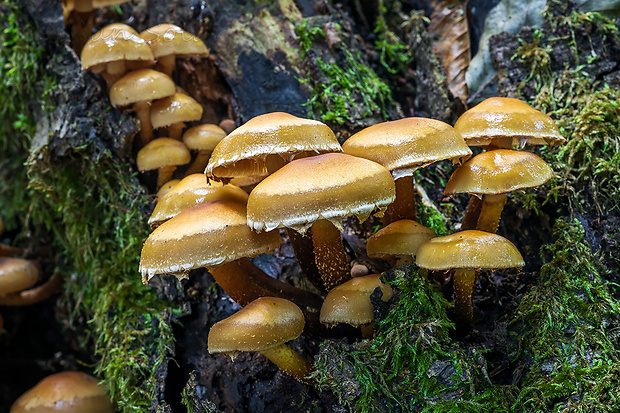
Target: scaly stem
289	361
331	258
404	206
491	212
464	281
304	252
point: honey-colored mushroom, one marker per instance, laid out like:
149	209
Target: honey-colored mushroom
398	242
164	155
173	111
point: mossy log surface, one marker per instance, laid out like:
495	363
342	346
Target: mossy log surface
544	337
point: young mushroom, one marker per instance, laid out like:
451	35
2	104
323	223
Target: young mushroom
466	253
17	275
398	242
489	176
216	236
202	139
173	111
264	326
69	391
139	88
350	303
319	192
165	155
403	146
500	122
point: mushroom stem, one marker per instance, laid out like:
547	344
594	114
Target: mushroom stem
491	212
7	251
304	252
472	213
331	258
464	281
175	131
199	164
404	206
143	111
166	64
368	330
33	295
165	174
244	282
289	361
117	67
82	29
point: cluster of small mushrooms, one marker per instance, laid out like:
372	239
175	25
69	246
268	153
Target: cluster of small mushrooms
305	183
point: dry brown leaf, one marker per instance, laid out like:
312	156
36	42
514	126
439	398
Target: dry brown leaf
449	27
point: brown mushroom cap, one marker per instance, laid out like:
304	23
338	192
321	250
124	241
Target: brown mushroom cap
203	137
69	392
271	138
263	324
204	235
174	109
329	186
499	117
499	171
162	152
470	249
143	85
404	145
114	43
168	39
399	239
350	302
17	274
191	191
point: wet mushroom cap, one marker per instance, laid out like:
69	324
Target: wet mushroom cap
115	42
168	39
141	85
191	191
173	109
499	171
162	152
406	144
350	302
264	323
500	117
276	135
469	249
399	239
203	137
17	274
201	236
329	186
69	391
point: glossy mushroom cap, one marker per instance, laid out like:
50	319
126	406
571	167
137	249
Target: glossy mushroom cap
201	236
499	117
191	191
273	138
470	249
203	137
17	274
143	85
67	392
162	152
329	186
404	145
115	43
399	239
499	171
168	39
350	302
174	109
263	324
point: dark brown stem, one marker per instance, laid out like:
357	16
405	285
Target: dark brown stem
464	281
7	251
330	257
33	295
470	219
304	252
404	206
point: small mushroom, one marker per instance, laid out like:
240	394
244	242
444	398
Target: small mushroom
163	154
398	242
202	139
139	88
403	146
264	326
228	125
169	42
173	111
165	188
500	122
466	253
319	192
69	391
17	275
489	176
350	303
